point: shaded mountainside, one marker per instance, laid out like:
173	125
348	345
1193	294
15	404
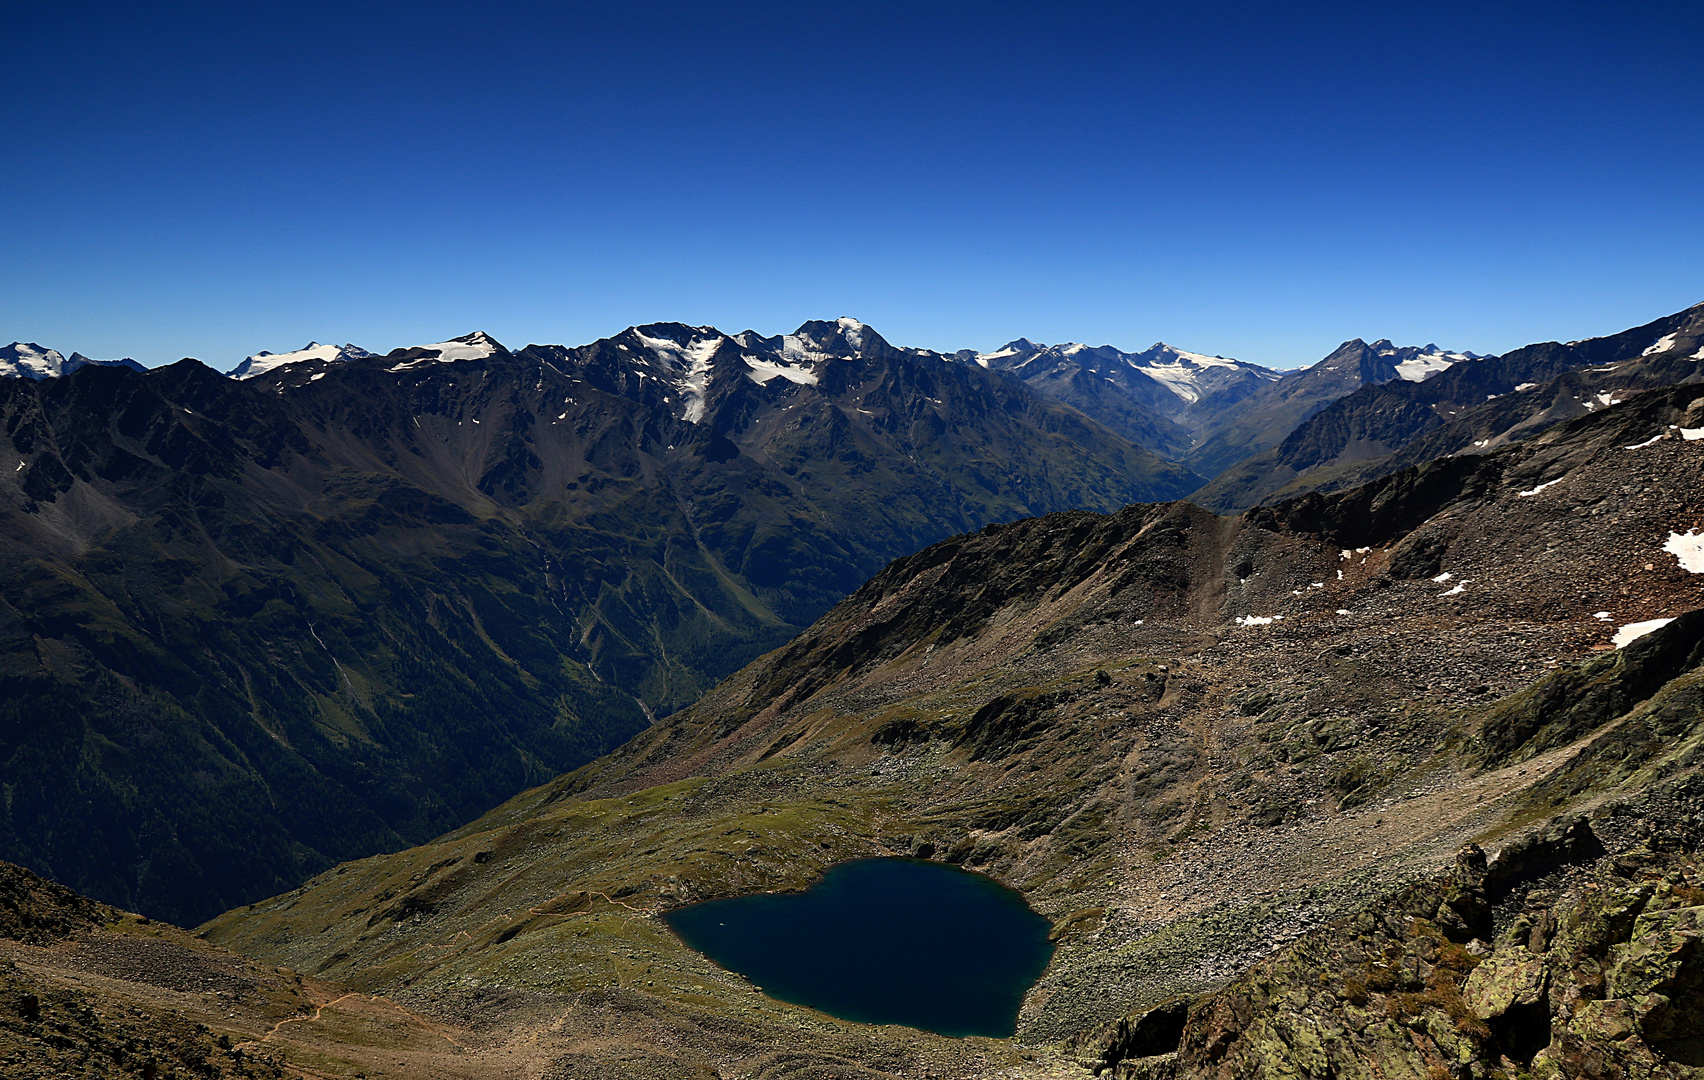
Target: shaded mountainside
1467	408
252	628
1192	742
1272	411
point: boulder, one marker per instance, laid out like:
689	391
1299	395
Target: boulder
1512	977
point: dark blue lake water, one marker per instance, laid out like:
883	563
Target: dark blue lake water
884	941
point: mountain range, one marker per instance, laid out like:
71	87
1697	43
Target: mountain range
1384	426
1252	768
342	605
1393	773
1207	411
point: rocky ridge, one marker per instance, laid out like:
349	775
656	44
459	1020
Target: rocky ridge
1206	411
1468	408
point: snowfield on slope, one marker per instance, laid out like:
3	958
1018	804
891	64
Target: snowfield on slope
1688	547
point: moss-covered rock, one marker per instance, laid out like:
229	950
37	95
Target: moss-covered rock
1603	977
1510	978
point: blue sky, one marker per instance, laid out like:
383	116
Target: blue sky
1252	180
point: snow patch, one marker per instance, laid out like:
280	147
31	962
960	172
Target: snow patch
764	370
1257	620
1688	547
1529	492
1525	386
853	331
1662	344
475	346
1181	373
1640	446
1423	367
692	362
1634	631
1601	616
262	362
1443	577
1691	434
801	350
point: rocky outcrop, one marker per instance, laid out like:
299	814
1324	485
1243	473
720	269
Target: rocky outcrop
1520	966
1152	1034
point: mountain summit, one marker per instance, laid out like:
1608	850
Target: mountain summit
262	362
31	361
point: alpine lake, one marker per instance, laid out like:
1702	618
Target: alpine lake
883	941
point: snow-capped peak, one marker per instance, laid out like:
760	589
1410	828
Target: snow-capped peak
1020	347
844	338
1424	363
1159	353
852	330
262	362
1182	372
475	346
1178	370
27	360
686	364
1190	376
